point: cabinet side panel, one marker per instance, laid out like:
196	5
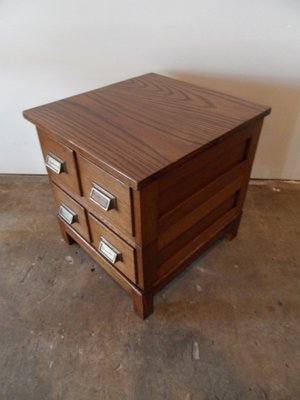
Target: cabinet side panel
205	196
185	180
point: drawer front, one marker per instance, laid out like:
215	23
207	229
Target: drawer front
106	195
71	212
60	162
112	249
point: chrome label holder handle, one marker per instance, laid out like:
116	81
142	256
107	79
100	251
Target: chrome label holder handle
55	163
103	198
67	214
108	251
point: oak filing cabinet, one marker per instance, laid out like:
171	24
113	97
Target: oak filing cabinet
147	173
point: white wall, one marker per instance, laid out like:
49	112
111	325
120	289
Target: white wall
57	48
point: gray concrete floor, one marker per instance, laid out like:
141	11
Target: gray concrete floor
227	328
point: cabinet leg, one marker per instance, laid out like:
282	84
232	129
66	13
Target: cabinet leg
233	228
143	304
67	238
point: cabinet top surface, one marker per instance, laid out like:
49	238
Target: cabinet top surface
141	126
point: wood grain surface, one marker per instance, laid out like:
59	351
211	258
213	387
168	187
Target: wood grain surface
69	177
80	225
126	264
140	128
120	215
177	160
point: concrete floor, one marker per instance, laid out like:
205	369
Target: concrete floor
227	328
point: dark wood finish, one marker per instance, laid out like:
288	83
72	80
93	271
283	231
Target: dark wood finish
86	204
69	178
233	228
111	270
126	264
179	255
143	303
164	280
235	174
203	169
67	238
145	202
80	225
136	129
186	220
120	216
175	157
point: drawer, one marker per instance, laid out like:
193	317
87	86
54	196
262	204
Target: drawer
60	162
71	212
106	195
113	249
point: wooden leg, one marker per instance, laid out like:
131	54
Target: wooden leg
233	228
143	304
67	238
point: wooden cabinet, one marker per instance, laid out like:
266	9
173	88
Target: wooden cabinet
147	173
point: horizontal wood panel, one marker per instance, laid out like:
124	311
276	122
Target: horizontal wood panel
179	257
68	178
187	220
212	153
80	225
195	230
163	280
201	195
127	262
121	214
186	182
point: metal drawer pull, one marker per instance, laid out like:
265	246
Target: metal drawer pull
67	214
108	251
102	198
55	164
